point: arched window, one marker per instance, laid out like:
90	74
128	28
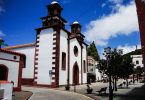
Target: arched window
84	63
63	61
76	51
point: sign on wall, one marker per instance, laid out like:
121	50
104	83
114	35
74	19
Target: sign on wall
50	73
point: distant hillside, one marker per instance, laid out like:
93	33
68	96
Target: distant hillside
136	52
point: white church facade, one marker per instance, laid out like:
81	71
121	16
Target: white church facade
11	65
57	57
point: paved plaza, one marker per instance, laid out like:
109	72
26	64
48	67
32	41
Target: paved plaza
133	92
122	93
52	94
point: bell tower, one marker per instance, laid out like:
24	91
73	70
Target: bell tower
76	31
76	28
54	9
54	16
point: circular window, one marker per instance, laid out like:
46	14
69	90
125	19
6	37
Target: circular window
15	57
76	51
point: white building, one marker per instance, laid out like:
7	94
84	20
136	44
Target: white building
137	60
92	68
58	56
11	64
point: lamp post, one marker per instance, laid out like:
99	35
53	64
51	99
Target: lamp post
133	75
133	63
107	55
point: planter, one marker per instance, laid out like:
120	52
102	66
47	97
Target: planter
89	91
67	88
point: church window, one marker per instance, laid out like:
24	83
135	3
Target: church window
76	51
63	61
84	66
137	62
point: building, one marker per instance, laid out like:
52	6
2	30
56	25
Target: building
140	4
58	57
92	68
11	64
137	60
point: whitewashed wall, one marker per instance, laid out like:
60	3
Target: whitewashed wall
137	58
84	52
9	56
98	75
63	48
28	71
45	56
8	87
73	58
13	67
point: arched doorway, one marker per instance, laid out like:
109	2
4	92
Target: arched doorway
75	74
3	72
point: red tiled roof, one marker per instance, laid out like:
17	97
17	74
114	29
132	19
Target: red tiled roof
11	52
20	46
4	82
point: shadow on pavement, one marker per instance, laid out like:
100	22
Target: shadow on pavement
124	88
135	94
23	95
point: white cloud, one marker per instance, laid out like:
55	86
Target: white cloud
115	4
123	22
66	1
103	5
1	10
116	1
1	33
127	49
1	6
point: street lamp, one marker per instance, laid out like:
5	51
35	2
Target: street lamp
133	63
107	55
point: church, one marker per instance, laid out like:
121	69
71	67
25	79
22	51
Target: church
140	5
57	57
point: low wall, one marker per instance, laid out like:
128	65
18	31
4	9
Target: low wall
6	90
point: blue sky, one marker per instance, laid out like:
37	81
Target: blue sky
107	22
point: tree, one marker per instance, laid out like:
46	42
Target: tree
2	43
138	71
92	51
126	68
102	66
115	62
120	66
